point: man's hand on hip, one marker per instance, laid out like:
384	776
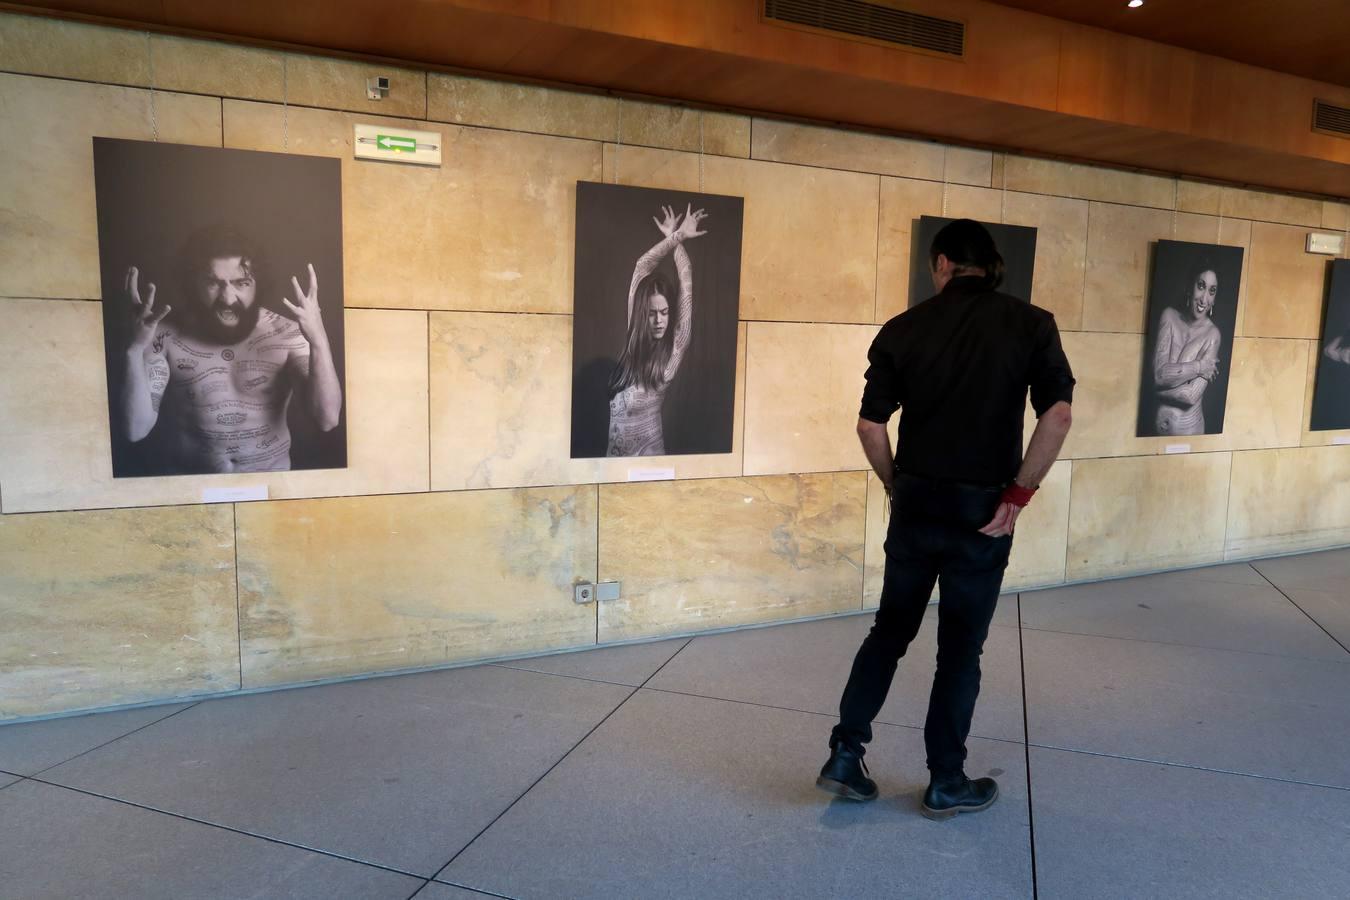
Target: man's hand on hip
1005	519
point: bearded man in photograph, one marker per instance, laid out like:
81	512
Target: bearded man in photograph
218	378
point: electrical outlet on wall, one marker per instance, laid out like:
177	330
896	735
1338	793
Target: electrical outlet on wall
591	593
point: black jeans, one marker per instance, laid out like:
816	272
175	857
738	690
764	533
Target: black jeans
933	538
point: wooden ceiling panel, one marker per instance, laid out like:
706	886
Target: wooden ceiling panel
1028	83
1302	37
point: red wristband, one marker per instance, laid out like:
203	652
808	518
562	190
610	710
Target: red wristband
1017	495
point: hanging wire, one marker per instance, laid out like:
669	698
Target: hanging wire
944	184
1003	204
150	61
618	146
1176	183
701	117
285	107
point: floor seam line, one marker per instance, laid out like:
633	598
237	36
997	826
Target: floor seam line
1294	603
1112	637
165	718
810	712
1026	747
560	675
230	828
1192	766
482	891
633	693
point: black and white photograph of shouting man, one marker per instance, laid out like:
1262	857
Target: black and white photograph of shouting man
222	289
657	298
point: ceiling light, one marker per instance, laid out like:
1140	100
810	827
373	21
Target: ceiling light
1135	4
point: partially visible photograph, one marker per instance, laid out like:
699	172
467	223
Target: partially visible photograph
222	307
1331	391
657	300
1192	318
1016	244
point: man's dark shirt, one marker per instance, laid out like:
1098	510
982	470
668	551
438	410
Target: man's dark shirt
959	367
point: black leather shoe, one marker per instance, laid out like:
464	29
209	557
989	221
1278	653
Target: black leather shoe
949	796
843	775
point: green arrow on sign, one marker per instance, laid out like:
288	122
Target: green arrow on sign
397	144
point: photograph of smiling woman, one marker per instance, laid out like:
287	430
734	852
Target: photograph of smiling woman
1192	316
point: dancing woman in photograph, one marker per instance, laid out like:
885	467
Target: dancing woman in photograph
656	345
1186	358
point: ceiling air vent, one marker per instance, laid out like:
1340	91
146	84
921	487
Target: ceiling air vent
1328	118
872	22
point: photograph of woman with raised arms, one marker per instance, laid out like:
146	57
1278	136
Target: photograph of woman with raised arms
655	327
654	349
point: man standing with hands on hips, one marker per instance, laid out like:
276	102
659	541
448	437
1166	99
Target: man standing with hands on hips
959	367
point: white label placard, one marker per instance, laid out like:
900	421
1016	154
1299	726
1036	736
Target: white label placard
422	148
1177	448
1340	441
651	474
234	494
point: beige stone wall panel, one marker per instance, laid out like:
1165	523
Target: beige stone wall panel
463	100
36	45
211	67
1286	501
1288	285
329	588
903	202
682	128
1079	182
803	389
854	151
700	555
116	607
1260	206
1336	216
48	225
809	245
1143	514
1061	252
647	167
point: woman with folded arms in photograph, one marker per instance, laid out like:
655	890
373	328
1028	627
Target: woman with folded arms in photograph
1186	358
656	345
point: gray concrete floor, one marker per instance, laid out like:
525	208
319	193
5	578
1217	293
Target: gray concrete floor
1179	735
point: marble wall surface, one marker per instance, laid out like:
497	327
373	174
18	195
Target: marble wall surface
367	584
459	527
117	606
699	555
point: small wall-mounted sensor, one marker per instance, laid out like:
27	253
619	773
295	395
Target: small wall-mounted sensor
377	88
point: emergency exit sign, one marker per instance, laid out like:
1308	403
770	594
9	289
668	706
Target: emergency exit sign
421	148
